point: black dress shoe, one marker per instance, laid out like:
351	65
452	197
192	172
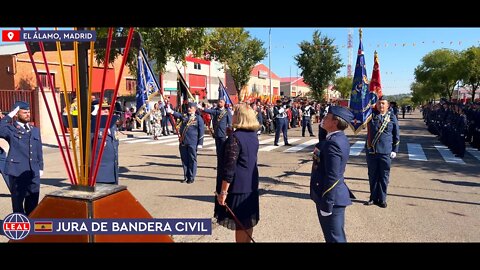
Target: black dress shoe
276	144
370	202
287	144
190	181
311	135
382	204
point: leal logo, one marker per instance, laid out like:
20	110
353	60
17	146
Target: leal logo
16	226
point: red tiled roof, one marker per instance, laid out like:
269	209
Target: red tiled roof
262	67
294	80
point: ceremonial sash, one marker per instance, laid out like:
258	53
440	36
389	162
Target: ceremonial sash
386	120
219	118
191	121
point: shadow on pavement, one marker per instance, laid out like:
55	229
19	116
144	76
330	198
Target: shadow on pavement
147	178
163	156
422	198
459	183
56	182
202	198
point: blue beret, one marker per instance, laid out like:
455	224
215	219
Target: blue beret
22	105
95	102
192	104
341	112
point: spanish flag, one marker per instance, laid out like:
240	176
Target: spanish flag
43	226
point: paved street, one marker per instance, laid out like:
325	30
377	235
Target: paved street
433	196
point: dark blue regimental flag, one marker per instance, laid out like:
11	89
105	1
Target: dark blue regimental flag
147	84
360	100
223	94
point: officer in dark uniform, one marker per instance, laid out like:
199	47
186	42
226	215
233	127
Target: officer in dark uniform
383	138
108	170
327	184
308	112
191	131
281	121
222	125
24	165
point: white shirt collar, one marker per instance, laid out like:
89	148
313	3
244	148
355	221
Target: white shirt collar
23	125
331	133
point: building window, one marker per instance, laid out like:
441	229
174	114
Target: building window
131	85
197	66
44	79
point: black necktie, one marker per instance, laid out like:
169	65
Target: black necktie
26	127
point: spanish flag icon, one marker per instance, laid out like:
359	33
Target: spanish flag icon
43	226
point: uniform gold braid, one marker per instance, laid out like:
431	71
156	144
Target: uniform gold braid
189	123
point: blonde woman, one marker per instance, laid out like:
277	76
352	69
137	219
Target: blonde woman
238	188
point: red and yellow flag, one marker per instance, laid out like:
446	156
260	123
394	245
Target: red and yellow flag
43	226
375	83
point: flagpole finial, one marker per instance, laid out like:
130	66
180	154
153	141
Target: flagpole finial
360	32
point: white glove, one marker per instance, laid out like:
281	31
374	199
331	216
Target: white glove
14	112
325	214
200	146
393	155
41	173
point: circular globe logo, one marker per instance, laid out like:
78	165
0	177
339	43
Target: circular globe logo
16	226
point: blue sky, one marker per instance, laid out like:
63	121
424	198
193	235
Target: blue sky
397	59
397	55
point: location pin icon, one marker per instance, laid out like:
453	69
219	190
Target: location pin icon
10	35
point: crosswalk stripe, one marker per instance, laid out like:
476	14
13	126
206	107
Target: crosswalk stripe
267	141
140	140
474	152
127	139
299	147
205	142
357	148
164	141
271	147
208	142
447	155
415	152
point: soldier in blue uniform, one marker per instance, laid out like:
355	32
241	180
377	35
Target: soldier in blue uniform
281	122
383	138
308	112
108	170
222	125
24	165
327	184
191	131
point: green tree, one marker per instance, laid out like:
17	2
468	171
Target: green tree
470	68
344	86
161	44
319	61
238	50
422	92
440	67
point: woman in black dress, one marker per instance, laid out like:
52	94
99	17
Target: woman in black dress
239	186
